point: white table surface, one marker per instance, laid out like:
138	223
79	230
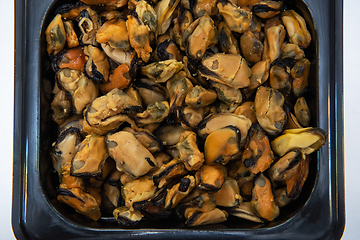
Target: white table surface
351	99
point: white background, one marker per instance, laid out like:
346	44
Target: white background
351	99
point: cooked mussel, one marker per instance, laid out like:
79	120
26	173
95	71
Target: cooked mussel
178	86
269	110
137	191
281	197
257	155
251	47
82	90
203	7
222	145
200	97
197	200
226	94
308	140
229	194
203	36
292	51
65	147
168	171
296	28
242	174
61	107
162	71
115	34
81	201
228	69
139	36
291	121
296	182
110	105
248	110
127	217
113	194
237	19
203	218
66	180
164	11
147	15
90	157
71	10
118	79
181	24
259	74
167	50
300	75
55	36
97	66
88	22
211	177
85	93
267	9
117	55
275	37
221	120
262	201
169	135
179	191
71	36
302	111
150	91
154	113
73	59
244	211
227	41
190	154
190	117
152	143
129	154
280	79
286	166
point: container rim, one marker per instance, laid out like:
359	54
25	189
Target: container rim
21	226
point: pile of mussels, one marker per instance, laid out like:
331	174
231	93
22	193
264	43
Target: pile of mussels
178	107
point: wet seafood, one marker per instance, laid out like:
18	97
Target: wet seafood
178	107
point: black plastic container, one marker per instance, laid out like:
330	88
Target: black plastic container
318	214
